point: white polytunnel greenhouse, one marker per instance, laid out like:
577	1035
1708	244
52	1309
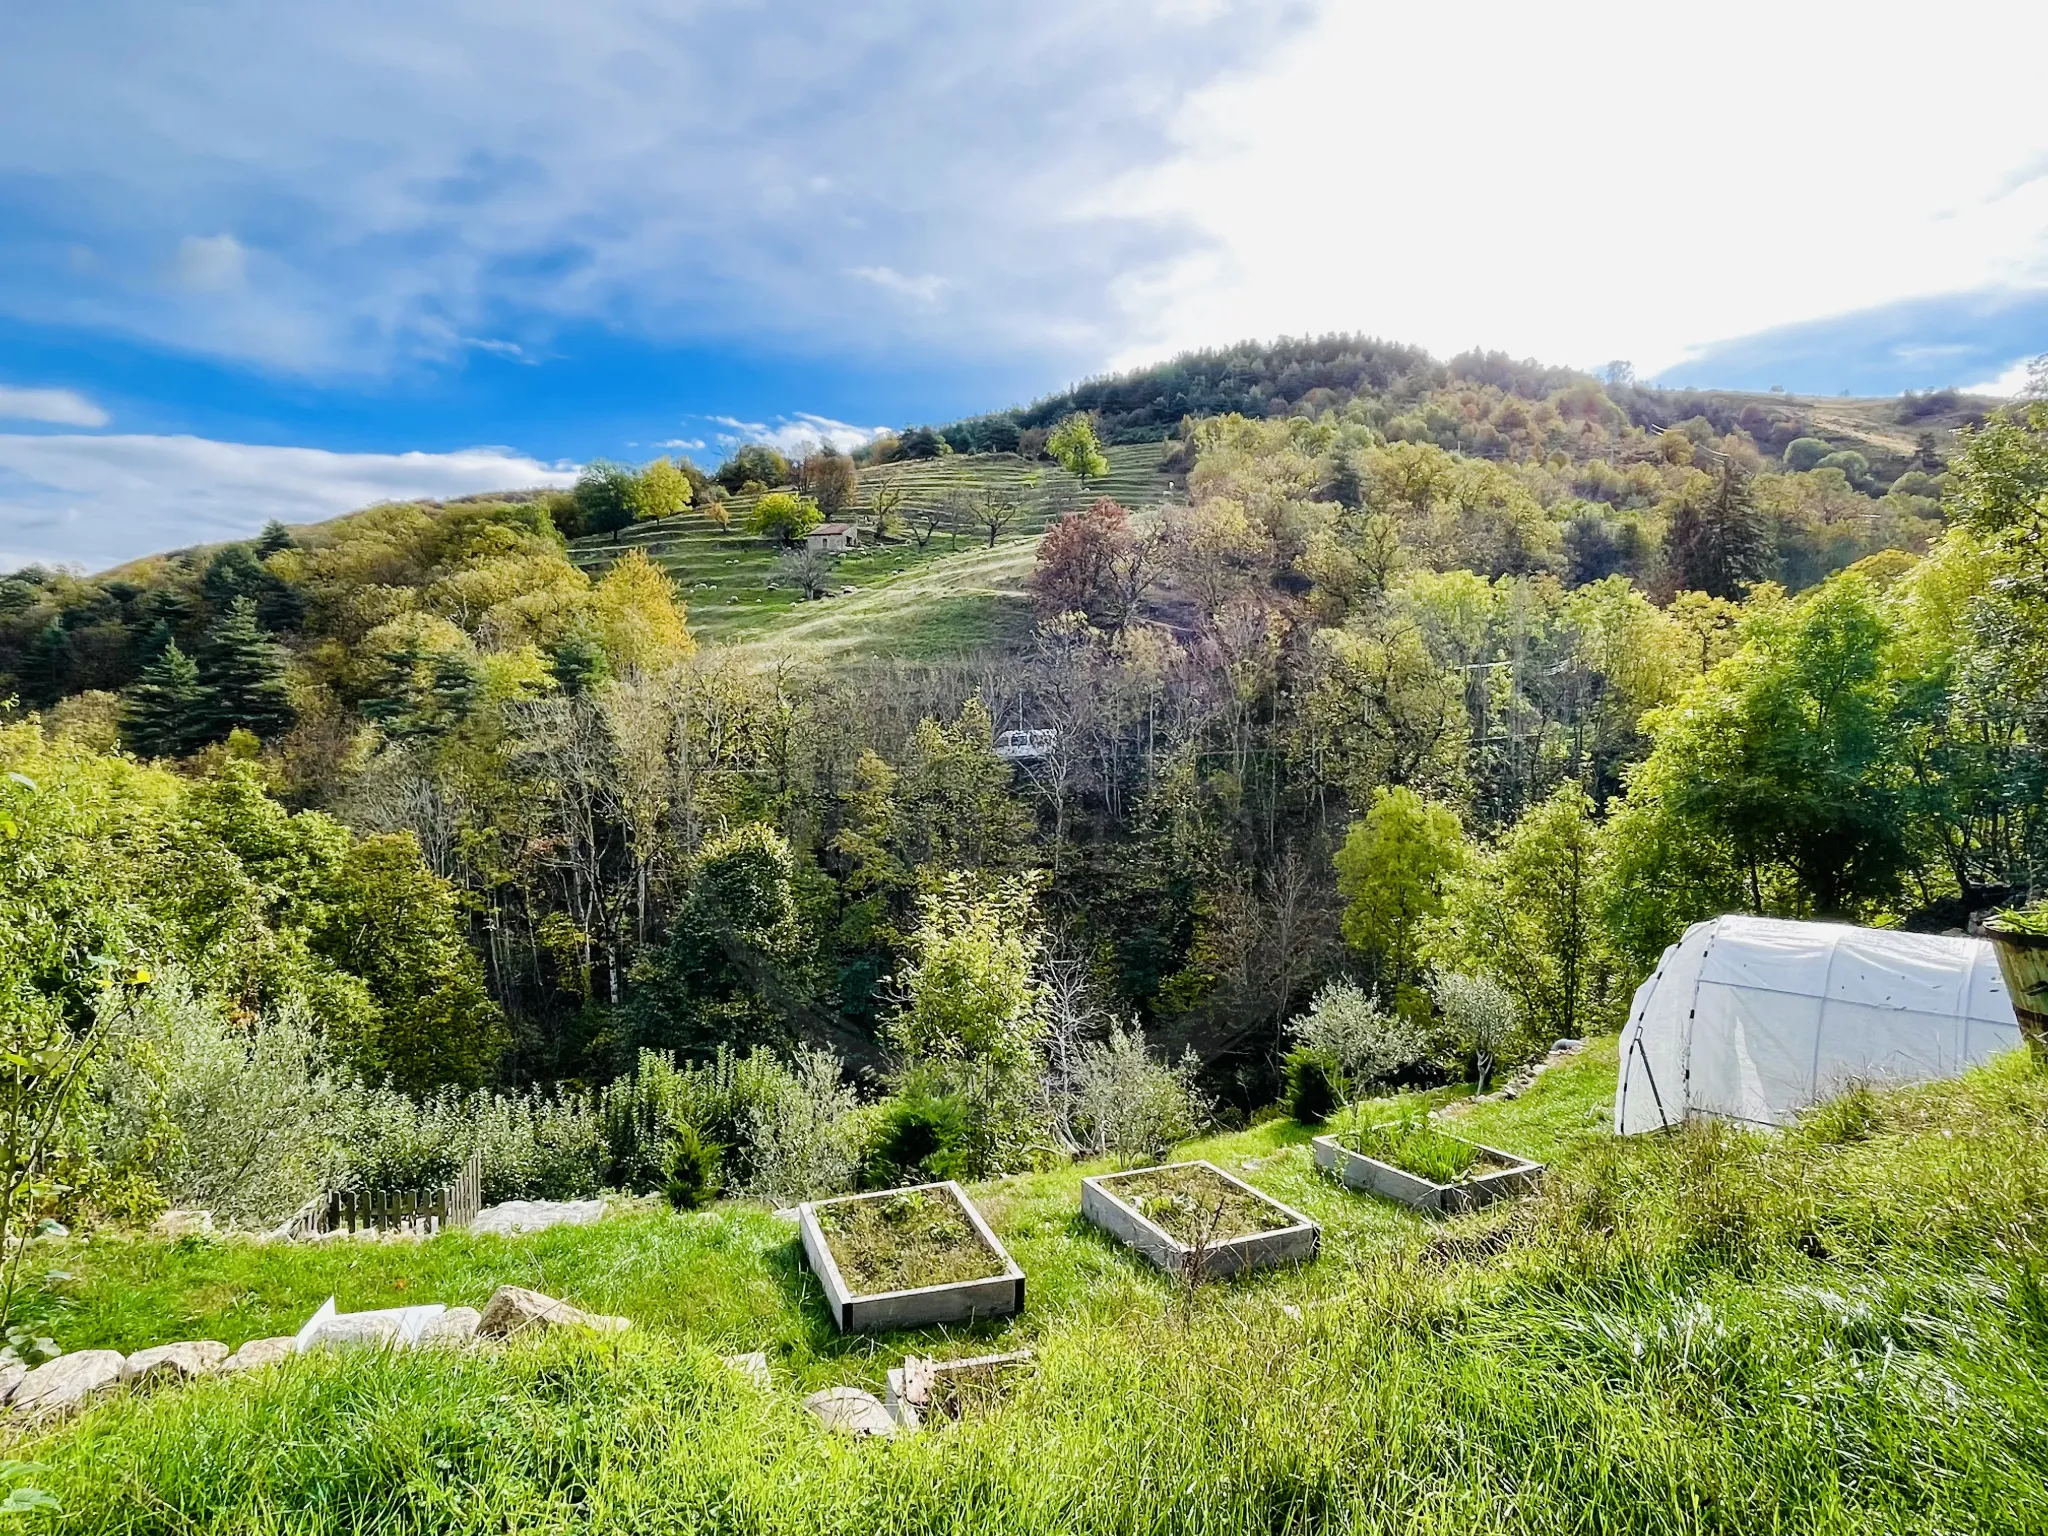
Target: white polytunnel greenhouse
1753	1019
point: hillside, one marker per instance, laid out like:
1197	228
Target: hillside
1835	1330
955	594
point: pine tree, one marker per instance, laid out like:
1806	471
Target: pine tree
167	710
46	668
274	537
245	671
1716	543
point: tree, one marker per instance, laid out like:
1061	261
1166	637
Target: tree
992	509
643	626
46	668
1396	864
245	672
168	708
783	516
398	927
922	443
810	571
1527	914
755	464
1715	542
885	503
1093	563
971	1014
608	496
831	479
660	490
1347	1028
1074	447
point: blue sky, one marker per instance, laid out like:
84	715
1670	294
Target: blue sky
262	260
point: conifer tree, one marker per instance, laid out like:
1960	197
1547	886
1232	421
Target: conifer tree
1716	543
274	537
46	668
167	710
245	673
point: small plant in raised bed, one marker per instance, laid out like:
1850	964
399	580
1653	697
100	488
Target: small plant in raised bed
1410	1160
1194	1206
1197	1222
1415	1146
905	1240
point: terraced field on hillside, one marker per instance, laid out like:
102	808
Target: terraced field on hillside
957	593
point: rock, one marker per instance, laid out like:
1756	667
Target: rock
174	1362
513	1310
850	1411
258	1352
455	1326
10	1378
182	1224
387	1327
754	1367
516	1216
65	1384
788	1214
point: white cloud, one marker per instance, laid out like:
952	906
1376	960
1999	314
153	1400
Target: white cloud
1593	181
60	407
210	264
790	434
2008	384
687	444
102	500
926	289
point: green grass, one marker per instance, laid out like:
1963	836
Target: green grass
956	594
1413	1146
1838	1329
901	1241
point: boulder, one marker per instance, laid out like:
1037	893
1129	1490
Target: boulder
514	1310
10	1378
456	1326
65	1384
516	1216
385	1328
850	1411
260	1352
174	1362
754	1367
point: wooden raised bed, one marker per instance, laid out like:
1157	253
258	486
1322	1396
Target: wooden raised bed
1251	1230
995	1288
1503	1174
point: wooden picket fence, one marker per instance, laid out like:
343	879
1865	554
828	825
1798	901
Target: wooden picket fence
422	1211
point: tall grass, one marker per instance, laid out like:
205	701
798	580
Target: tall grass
1714	1331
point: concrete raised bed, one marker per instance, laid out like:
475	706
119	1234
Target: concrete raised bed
1518	1176
1295	1243
1000	1295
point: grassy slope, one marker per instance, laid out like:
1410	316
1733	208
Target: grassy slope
1833	1330
957	594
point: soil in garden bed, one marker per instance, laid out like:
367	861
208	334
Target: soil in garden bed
901	1242
1194	1205
1421	1150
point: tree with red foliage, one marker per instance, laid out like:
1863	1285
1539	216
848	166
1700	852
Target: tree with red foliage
1093	563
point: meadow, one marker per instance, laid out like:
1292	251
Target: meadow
1839	1328
955	594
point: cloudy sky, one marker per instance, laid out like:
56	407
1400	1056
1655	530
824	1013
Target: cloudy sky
261	260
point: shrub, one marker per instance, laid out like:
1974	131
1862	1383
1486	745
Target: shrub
690	1171
236	1116
1130	1106
1312	1078
803	1141
1802	453
918	1135
1481	1026
1346	1024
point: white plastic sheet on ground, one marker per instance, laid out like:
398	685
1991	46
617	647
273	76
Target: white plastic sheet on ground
1753	1019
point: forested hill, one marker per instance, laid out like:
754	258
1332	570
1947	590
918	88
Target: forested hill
1307	376
1498	676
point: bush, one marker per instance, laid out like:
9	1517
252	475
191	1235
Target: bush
237	1117
1312	1078
803	1141
1131	1107
690	1171
1481	1026
1802	453
1346	1024
918	1135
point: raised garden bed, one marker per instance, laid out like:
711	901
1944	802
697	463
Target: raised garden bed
908	1258
921	1390
1195	1219
1423	1167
